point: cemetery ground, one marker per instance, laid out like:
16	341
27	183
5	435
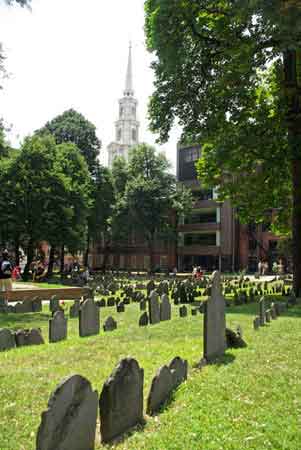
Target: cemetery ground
250	399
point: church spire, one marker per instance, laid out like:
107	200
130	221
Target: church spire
129	76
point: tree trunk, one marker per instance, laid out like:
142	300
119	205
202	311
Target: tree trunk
87	252
17	250
296	224
62	259
51	261
151	254
30	255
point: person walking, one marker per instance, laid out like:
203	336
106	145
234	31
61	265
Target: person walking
6	271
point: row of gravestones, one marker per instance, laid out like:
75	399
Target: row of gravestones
69	423
27	306
10	339
266	315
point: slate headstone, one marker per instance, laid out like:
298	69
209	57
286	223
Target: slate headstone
69	423
142	305
268	315
143	320
29	337
120	307
165	308
256	323
121	400
54	304
74	309
183	311
110	324
262	311
154	308
58	327
215	321
7	339
273	311
36	304
160	390
88	318
179	369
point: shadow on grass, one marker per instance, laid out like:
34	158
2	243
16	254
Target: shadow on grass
123	437
23	318
227	358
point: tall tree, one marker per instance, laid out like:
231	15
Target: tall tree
151	195
209	55
71	126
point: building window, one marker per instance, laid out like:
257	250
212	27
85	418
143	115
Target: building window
192	154
121	111
134	135
133	111
202	239
119	132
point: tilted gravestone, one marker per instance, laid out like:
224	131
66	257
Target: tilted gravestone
29	337
74	309
262	311
179	369
143	321
58	327
7	339
121	400
215	321
70	420
110	324
256	323
154	308
54	304
88	318
183	311
165	308
160	390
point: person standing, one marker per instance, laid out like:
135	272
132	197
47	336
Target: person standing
6	270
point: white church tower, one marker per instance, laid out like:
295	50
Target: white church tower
127	126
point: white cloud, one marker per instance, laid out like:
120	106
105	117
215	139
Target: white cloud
73	53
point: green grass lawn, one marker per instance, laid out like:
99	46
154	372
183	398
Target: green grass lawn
250	400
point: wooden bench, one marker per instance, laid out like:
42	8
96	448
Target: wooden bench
68	293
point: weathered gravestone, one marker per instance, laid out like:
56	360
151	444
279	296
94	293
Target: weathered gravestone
160	390
58	327
268	315
29	337
110	324
154	308
143	321
120	307
215	321
36	304
165	308
142	305
262	311
24	307
70	420
7	339
183	311
74	309
273	311
194	312
256	323
88	318
121	400
234	340
150	287
179	369
54	304
111	301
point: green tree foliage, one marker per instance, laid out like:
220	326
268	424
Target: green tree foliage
151	195
43	192
209	61
72	126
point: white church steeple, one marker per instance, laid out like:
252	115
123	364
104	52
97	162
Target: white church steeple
127	126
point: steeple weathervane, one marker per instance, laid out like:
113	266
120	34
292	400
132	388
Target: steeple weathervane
129	91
